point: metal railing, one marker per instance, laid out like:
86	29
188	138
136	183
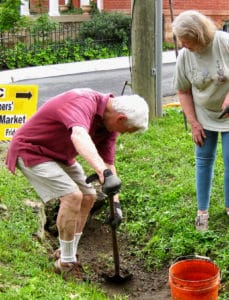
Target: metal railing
61	44
31	37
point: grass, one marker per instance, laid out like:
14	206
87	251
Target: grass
159	206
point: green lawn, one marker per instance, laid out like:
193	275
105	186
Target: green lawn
159	205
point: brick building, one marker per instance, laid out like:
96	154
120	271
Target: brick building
217	10
124	6
117	5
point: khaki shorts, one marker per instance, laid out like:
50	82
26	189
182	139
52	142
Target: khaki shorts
52	180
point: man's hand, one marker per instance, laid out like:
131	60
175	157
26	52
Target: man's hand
116	221
112	183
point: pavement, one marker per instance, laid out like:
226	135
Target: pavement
11	76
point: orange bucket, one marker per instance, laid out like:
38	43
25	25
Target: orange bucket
194	278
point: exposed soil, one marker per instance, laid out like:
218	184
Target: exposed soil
96	255
96	250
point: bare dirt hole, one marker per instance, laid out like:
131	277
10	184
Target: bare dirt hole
96	255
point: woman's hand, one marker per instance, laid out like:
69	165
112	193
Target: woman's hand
188	107
198	134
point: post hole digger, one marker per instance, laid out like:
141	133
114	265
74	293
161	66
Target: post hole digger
110	187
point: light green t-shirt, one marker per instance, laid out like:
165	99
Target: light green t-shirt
207	75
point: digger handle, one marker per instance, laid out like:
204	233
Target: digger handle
111	185
92	178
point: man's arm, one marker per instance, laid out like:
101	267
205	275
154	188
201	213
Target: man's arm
87	150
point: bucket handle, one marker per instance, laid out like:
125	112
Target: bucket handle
197	257
192	257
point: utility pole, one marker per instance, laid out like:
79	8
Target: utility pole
147	52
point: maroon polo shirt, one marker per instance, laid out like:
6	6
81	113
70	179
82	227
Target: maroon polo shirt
46	136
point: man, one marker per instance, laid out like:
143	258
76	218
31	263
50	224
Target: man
78	122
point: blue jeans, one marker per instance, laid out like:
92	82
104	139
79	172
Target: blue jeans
205	158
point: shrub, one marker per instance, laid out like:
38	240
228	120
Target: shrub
43	24
108	39
106	26
168	46
9	14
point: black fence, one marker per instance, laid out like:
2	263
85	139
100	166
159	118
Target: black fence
59	44
31	37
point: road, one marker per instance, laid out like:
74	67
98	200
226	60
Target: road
103	81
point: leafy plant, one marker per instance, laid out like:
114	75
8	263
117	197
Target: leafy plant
94	9
20	56
9	14
168	46
105	36
43	24
106	26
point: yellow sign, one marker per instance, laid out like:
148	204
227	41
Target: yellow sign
17	104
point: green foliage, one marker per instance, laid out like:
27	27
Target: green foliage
94	9
9	14
159	207
158	197
45	51
168	46
20	56
43	24
73	11
105	36
106	26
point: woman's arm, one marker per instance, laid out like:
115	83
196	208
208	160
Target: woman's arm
188	106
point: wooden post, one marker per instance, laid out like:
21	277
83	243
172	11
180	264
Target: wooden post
143	77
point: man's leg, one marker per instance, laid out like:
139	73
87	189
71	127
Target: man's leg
51	181
86	205
69	225
68	220
77	174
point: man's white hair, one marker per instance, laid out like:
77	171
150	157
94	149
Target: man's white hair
135	109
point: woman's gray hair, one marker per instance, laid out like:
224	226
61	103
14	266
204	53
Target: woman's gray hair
193	25
135	109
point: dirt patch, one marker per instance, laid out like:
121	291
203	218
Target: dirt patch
96	251
96	255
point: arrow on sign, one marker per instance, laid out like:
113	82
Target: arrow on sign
24	95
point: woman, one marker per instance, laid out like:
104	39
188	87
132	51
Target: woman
202	82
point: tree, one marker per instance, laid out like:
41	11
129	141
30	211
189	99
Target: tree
9	14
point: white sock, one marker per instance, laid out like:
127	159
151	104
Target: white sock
76	242
67	251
